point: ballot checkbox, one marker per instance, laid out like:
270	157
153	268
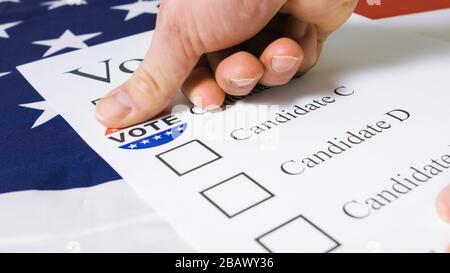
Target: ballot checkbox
297	235
236	195
188	157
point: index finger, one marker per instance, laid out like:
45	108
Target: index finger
327	15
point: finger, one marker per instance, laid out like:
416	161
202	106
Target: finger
171	57
443	204
306	36
214	58
202	89
281	59
327	15
323	17
184	31
239	73
258	43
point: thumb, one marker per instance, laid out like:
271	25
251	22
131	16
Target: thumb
174	52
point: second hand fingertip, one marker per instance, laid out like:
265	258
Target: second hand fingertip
443	204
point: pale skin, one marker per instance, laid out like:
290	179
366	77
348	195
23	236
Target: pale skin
209	48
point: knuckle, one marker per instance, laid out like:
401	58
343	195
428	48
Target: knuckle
247	8
145	84
178	22
169	17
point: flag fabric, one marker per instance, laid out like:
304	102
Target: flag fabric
39	150
56	193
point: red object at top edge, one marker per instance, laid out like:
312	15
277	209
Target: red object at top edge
376	9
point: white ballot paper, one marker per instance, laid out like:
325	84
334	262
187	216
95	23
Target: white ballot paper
349	157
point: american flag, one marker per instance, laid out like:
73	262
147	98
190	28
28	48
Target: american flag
39	150
82	204
56	193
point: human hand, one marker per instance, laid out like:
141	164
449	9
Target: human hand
212	47
443	206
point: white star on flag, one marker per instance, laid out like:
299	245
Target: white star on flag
145	141
4	27
4	73
132	146
179	129
47	115
60	3
156	137
67	40
137	8
168	133
12	1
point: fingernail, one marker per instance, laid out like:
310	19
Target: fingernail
443	204
282	64
114	106
241	83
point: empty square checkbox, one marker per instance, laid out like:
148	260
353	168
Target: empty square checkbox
188	157
236	194
297	235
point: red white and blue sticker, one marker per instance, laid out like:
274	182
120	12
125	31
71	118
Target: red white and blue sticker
147	135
